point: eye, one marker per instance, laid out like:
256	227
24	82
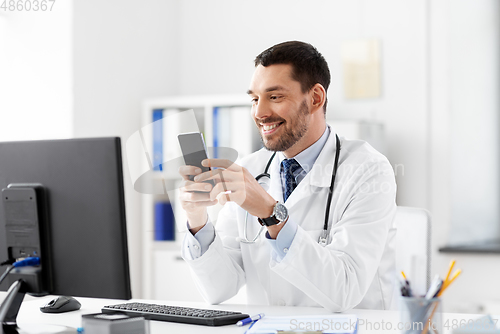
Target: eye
275	97
254	100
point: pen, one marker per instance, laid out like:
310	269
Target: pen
447	284
444	285
452	264
435	287
250	319
438	289
405	288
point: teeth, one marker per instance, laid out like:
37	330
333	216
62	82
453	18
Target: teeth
269	127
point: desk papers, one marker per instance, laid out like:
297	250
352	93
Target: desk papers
328	323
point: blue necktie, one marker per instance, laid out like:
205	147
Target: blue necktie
288	168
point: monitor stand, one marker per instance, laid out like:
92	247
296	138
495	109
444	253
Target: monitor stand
10	308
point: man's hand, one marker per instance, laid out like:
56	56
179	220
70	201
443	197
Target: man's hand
195	197
235	184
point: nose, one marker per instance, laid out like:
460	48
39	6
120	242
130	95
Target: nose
261	110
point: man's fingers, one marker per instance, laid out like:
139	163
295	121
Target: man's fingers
194	205
220	175
230	197
195	196
224	187
221	163
186	171
210	175
197	186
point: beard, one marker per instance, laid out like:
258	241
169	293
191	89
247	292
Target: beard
293	130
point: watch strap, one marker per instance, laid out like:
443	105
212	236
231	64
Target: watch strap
268	221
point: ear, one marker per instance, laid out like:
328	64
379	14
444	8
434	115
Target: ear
318	98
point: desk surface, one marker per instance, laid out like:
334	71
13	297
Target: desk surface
371	321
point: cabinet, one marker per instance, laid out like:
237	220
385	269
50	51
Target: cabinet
225	120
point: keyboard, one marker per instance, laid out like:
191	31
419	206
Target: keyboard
184	315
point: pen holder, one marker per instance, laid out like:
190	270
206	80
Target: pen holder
420	315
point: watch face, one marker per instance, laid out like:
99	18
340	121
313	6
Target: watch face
280	212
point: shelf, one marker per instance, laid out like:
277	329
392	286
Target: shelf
201	101
483	247
166	175
167	245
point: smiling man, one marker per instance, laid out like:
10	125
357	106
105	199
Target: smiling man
327	208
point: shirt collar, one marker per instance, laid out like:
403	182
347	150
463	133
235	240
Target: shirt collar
308	157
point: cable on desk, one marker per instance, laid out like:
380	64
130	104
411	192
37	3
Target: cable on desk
9	268
29	261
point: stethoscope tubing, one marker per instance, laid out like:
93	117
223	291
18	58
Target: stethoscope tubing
324	235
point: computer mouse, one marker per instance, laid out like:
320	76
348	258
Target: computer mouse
61	304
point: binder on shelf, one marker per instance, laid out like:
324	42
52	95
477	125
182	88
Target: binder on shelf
234	128
157	139
164	222
175	122
243	139
215	122
222	129
172	128
167	124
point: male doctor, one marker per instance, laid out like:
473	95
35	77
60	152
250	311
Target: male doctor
289	264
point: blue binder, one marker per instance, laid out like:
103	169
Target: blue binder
157	139
164	222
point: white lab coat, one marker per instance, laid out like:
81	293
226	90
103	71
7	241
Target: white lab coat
355	269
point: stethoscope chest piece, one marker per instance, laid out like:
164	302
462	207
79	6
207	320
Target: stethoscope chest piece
323	238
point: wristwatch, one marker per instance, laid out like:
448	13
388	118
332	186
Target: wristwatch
280	214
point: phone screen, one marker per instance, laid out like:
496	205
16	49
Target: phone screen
194	150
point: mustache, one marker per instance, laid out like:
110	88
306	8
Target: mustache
269	120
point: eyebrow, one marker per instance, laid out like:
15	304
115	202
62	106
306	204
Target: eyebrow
270	89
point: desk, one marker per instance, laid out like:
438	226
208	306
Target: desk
30	314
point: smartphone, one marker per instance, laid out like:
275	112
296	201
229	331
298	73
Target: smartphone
194	151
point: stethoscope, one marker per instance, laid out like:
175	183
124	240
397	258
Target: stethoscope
323	238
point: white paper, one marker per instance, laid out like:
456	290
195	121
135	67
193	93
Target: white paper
328	323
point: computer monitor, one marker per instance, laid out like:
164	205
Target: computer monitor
83	184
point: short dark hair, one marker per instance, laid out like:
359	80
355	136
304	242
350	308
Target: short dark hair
309	67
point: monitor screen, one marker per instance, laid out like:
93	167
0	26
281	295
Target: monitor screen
83	182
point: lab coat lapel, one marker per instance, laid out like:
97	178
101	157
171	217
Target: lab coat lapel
275	189
321	173
319	176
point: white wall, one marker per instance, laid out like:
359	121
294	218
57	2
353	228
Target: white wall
36	74
475	108
124	52
439	136
465	47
